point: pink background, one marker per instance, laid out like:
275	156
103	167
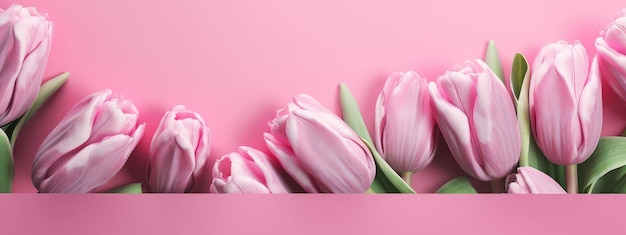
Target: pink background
237	62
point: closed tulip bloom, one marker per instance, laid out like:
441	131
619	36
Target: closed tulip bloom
25	37
318	150
565	102
477	119
405	127
247	171
529	180
179	152
89	146
611	46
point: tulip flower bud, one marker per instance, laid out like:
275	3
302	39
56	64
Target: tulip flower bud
565	102
405	127
25	37
89	146
247	171
611	46
318	150
179	152
477	119
529	180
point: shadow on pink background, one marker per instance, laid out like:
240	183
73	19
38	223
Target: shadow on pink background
237	62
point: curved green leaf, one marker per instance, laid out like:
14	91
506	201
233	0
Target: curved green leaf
493	60
134	188
47	89
458	185
604	170
386	180
352	113
519	72
7	166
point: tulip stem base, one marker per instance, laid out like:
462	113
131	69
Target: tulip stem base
407	177
571	177
497	186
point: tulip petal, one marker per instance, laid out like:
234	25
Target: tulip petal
72	132
268	168
327	160
554	120
495	126
590	114
406	130
93	165
455	129
611	64
292	164
171	163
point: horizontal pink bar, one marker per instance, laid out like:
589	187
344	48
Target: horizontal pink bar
311	214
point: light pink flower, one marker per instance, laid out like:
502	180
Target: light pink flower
318	150
89	146
565	102
529	180
477	119
248	171
25	37
406	132
611	47
179	152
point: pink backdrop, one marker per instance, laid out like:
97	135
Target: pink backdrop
236	62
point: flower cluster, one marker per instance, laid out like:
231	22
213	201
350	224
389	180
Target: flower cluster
531	137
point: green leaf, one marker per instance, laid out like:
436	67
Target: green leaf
47	89
386	180
352	113
519	72
604	170
458	185
134	188
7	166
523	113
493	60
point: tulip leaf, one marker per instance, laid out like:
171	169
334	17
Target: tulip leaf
386	179
458	185
134	188
519	72
530	154
352	113
493	60
7	166
47	89
604	170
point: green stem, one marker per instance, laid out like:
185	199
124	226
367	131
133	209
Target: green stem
497	186
571	178
407	176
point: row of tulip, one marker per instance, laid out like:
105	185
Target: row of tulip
546	122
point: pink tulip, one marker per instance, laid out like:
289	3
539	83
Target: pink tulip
25	37
612	55
405	127
179	152
89	146
318	150
477	119
529	180
248	171
565	102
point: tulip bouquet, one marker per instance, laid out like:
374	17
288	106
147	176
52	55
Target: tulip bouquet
537	131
